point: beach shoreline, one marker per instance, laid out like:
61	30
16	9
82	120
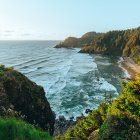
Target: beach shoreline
131	67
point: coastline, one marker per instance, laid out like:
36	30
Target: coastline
131	67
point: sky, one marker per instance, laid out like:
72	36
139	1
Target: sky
58	19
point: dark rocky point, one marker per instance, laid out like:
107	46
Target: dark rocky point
87	111
62	125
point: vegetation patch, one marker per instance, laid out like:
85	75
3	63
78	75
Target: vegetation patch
117	120
13	129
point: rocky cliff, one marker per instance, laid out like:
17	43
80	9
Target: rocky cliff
23	98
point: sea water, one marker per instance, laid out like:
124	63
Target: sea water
73	81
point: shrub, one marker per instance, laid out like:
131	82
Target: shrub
118	120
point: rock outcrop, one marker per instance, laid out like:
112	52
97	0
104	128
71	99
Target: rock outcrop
62	125
21	97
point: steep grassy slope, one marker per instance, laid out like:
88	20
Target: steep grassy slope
13	129
116	120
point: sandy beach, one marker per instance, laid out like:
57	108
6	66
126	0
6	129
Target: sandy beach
132	68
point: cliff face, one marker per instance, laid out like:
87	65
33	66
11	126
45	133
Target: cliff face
22	97
120	43
73	42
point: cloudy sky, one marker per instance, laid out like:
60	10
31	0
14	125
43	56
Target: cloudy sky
57	19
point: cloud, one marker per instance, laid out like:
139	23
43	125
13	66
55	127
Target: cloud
7	35
10	34
21	34
9	31
26	34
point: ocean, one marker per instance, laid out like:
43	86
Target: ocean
73	81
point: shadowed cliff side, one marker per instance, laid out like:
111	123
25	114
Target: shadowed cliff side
21	97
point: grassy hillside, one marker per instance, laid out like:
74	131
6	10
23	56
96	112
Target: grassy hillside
13	129
113	120
120	43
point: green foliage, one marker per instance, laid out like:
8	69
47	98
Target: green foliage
70	134
3	69
59	137
123	119
119	120
119	128
13	129
85	126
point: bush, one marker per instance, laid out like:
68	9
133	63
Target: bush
119	120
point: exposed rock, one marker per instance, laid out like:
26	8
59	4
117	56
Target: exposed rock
61	125
19	95
62	118
87	111
71	118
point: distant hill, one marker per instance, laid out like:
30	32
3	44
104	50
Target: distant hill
121	43
73	42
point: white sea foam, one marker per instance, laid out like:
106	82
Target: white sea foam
68	77
107	86
86	97
126	74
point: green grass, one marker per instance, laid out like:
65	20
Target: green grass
13	129
3	69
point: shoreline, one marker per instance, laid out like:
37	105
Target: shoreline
131	67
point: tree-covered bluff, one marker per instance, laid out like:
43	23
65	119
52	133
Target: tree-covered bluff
119	43
113	120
